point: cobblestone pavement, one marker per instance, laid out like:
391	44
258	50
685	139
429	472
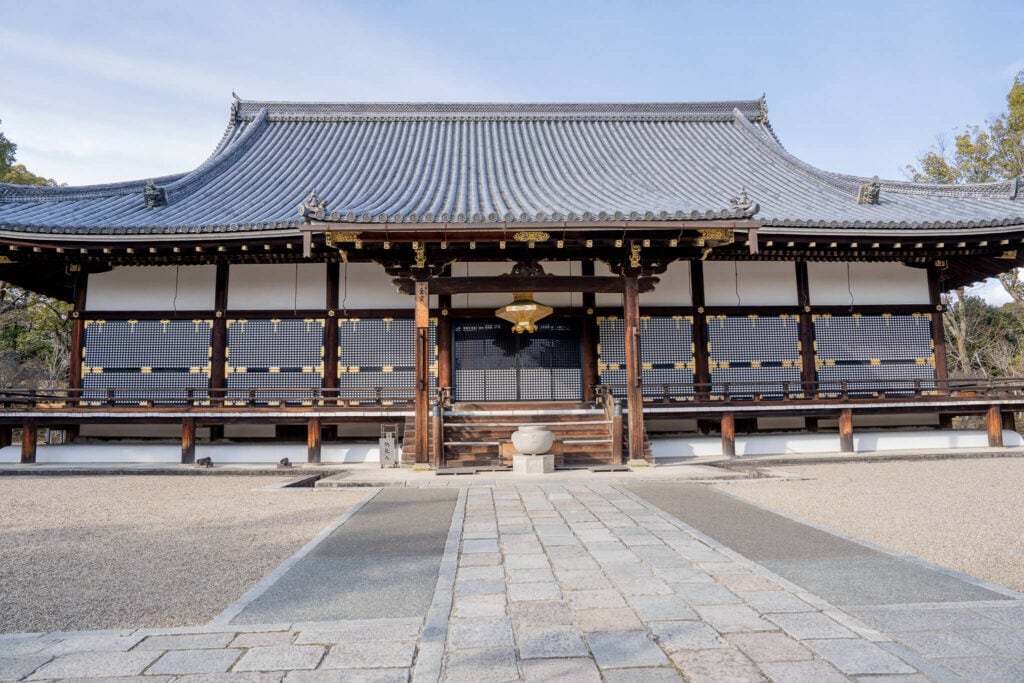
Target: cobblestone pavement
579	582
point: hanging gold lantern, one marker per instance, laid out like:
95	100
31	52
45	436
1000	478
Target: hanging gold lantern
523	312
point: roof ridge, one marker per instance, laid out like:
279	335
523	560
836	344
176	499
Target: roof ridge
9	192
697	111
999	189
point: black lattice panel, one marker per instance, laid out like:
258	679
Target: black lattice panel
380	353
492	363
264	355
162	359
666	354
754	355
874	353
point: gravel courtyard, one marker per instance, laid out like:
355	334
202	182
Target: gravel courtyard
116	552
967	515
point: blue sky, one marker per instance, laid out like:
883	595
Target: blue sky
108	90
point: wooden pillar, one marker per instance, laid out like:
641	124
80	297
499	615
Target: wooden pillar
437	436
994	422
591	336
728	435
219	337
1009	420
77	335
188	441
422	399
313	440
701	373
938	328
634	376
846	430
331	335
28	441
444	339
808	369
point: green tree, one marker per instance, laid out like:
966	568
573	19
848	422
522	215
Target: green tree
11	172
35	331
980	153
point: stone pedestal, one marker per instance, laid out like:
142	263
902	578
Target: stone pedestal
533	464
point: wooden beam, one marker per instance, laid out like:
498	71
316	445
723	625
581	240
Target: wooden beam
188	441
846	430
525	283
314	438
634	376
28	441
938	326
701	373
728	435
422	405
994	422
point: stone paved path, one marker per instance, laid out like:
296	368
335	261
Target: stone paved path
579	582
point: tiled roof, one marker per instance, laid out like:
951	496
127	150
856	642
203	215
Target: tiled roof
485	163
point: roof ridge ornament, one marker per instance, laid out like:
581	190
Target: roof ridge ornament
763	102
313	208
153	195
868	192
743	204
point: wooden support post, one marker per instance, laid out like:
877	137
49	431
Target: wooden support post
808	357
995	427
938	328
1009	420
77	336
728	435
591	336
331	335
313	440
28	441
701	373
6	435
437	436
422	403
616	430
219	337
846	430
634	376
188	441
444	338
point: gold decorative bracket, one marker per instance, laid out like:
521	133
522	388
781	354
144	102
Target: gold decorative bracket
336	238
714	237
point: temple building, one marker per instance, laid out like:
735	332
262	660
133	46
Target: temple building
615	271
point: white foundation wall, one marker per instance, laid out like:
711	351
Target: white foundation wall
367	285
152	288
831	284
828	443
497	300
280	286
749	283
171	454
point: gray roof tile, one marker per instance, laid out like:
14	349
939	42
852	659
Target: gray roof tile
521	163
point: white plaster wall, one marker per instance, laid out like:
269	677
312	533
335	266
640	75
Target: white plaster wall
606	300
766	283
673	289
142	288
369	286
870	284
137	431
496	300
273	286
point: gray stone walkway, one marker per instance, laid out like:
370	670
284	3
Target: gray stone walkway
579	582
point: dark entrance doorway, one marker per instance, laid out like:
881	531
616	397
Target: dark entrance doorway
492	363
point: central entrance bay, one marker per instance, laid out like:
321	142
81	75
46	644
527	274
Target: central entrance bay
492	363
